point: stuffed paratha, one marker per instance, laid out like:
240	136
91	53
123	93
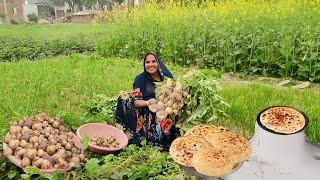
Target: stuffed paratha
183	148
212	162
204	129
234	144
283	120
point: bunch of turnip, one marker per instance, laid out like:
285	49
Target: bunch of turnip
105	141
43	142
169	99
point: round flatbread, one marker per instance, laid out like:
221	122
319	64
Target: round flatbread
183	148
212	162
283	120
204	129
234	144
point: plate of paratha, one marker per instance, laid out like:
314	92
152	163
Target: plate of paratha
282	120
210	151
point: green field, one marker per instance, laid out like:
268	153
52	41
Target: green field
61	69
51	32
65	87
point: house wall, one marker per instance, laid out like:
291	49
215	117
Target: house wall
82	18
29	9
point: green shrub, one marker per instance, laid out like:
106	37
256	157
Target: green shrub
32	17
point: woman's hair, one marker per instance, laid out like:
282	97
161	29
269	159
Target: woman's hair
147	54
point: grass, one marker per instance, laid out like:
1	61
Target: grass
63	86
247	100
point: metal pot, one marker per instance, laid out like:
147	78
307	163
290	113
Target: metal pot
279	156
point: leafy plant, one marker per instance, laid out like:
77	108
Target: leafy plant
32	17
203	105
133	163
104	105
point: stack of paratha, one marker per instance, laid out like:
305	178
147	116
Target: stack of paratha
210	149
283	120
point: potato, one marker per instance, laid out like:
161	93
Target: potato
75	159
49	158
62	128
64	142
7	151
45	124
20	152
82	157
31	153
13	144
37	162
25	162
58	146
37	132
15	129
161	98
175	106
70	135
41	117
56	124
26	129
169	103
27	123
43	145
178	97
37	126
51	120
46	134
26	136
161	115
23	143
41	153
169	110
68	146
160	106
29	146
8	138
62	153
34	139
51	149
178	87
46	164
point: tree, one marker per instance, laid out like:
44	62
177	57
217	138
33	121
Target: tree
71	3
102	3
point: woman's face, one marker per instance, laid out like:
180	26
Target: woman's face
151	64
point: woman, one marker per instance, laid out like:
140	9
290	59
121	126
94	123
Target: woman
133	113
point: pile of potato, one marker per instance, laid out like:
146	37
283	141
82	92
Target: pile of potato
105	141
43	142
169	98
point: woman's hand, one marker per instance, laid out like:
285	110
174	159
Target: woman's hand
141	103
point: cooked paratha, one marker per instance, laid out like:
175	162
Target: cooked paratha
234	144
183	148
204	129
212	162
283	120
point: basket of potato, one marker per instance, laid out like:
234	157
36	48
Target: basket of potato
103	138
43	142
